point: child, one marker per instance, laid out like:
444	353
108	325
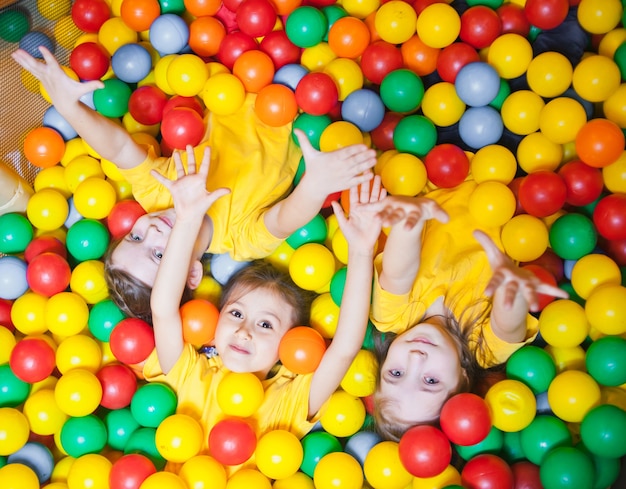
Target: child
430	298
259	305
256	162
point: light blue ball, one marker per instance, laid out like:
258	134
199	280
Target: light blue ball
360	444
290	75
13	281
480	126
131	63
73	216
363	108
31	41
35	456
169	34
477	84
52	118
223	267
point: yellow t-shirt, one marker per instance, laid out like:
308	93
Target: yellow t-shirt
453	266
255	161
195	379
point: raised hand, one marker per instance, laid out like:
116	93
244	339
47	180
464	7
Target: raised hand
189	192
411	211
512	282
334	171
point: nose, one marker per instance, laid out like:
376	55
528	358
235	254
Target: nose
243	332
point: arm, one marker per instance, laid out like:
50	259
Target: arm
514	292
326	173
361	230
191	201
108	139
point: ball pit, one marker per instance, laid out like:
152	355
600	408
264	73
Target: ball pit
409	69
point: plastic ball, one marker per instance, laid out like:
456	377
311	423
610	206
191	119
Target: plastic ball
360	379
90	15
383	467
402	90
119	385
88	281
492	443
452	58
563	324
584	183
139	14
599	142
316	445
487	470
480	126
182	126
605	309
512	405
187	75
276	105
130	471
542	435
340	134
205	35
510	54
223	93
404	174
594	270
78	351
122	217
312	266
290	75
121	425
338	469
477	84
572	394
152	403
14	390
66	314
203	471
87	239
609	216
364	109
28	310
465	419
602	429
78	392
533	366
317	93
542	193
169	33
112	99
564	465
314	231
32	359
573	236
425	451
596	77
324	315
521	112
419	57
90	61
17	233
82	435
14	430
80	168
549	74
525	237
240	394
480	26
248	478
348	37
232	441
233	46
306	26
35	456
131	63
395	21
54	120
379	59
448	477
344	414
438	25
43	147
278	454
415	134
256	18
604	360
179	437
301	349
17	475
447	165
492	203
199	318
494	162
132	340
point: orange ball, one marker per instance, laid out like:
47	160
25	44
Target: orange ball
139	14
301	349
348	37
202	8
255	69
276	105
285	7
599	142
44	147
199	318
419	56
206	35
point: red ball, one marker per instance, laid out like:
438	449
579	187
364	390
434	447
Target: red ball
129	471
5	314
513	19
234	45
551	262
182	126
146	104
424	451
256	17
546	14
119	383
514	186
542	193
44	244
547	278
132	340
465	419
480	26
90	61
382	135
316	93
487	471
232	441
32	360
526	475
454	57
89	15
122	217
584	183
615	248
301	349
48	274
609	216
379	59
280	49
447	165
180	101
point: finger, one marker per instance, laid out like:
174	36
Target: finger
218	194
494	255
166	182
354	196
178	164
205	164
510	292
339	214
305	145
376	189
191	160
364	196
547	289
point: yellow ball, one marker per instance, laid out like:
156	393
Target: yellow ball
347	75
312	266
493	163
123	189
339	245
492	204
442	105
572	394
54	178
549	74
281	256
89	471
360	379
596	78
563	324
7	342
614	175
525	238
512	405
338	470
61	469
383	467
78	351
340	134
223	94
87	280
80	169
318	57
594	270
448	477
47	209
73	148
54	9
240	394
66	314
18	476
160	73
606	309
66	33
324	315
247	478
14	430
510	54
187	74
537	152
438	25
78	392
395	21
599	16
43	413
344	414
404	174
614	107
567	358
561	119
279	454
299	480
178	438
114	33
203	472
28	313
94	198
521	111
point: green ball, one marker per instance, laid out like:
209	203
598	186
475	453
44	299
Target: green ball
620	59
603	431
533	366
312	126
13	390
83	435
299	172
402	90
332	13
87	239
103	317
16	232
512	450
606	360
112	99
315	231
415	134
543	434
152	403
120	425
503	92
337	284
315	445
573	236
14	24
172	6
492	443
143	441
607	469
306	26
567	468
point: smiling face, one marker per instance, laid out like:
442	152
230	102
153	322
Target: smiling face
249	330
421	371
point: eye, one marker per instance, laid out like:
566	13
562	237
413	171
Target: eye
265	325
395	373
134	237
431	380
157	254
236	313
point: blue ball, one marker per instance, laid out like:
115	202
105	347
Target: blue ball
223	267
359	444
169	34
73	216
480	126
13	281
477	84
363	108
31	42
37	457
290	75
54	120
131	63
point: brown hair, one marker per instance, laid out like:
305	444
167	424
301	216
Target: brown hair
262	274
127	292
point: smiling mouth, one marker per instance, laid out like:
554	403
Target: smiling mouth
165	220
423	341
238	349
